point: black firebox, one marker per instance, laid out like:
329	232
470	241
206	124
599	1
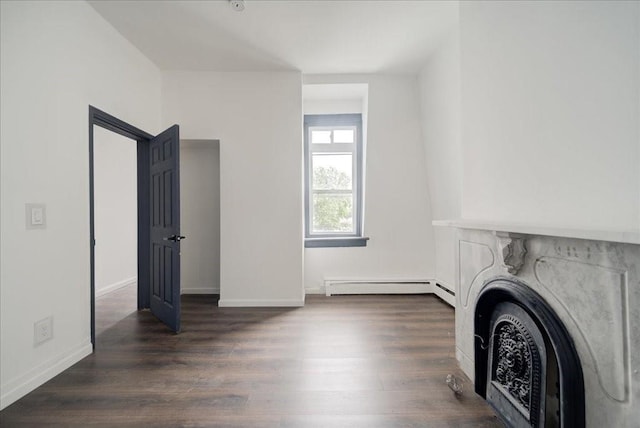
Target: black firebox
526	365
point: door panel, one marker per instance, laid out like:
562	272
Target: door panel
165	227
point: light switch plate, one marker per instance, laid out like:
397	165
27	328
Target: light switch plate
36	216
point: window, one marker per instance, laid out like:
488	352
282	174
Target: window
333	180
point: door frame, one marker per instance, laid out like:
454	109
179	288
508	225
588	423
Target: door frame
105	120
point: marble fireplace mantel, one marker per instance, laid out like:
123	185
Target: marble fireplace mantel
590	279
621	236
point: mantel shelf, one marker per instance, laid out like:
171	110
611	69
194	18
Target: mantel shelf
622	236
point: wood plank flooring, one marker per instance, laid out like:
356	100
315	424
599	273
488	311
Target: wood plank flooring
341	361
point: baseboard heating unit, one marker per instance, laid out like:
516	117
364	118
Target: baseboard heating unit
334	286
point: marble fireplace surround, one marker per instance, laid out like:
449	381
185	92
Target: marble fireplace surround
591	279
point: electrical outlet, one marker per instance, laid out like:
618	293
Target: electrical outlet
42	330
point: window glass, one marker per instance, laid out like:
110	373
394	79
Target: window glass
332	212
320	137
343	136
332	171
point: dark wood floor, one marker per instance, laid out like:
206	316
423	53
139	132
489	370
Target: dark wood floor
341	361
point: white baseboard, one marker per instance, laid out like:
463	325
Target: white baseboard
116	285
246	303
192	290
21	386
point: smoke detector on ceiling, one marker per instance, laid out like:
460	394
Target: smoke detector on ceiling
237	5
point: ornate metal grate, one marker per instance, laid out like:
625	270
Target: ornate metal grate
516	370
513	365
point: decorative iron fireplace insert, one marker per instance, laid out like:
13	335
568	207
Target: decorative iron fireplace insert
526	365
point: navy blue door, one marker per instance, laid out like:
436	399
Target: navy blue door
164	159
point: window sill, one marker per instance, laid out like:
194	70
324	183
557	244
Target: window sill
335	242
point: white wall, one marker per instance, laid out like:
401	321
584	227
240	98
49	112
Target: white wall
56	59
440	109
345	106
258	119
550	113
116	210
396	206
200	216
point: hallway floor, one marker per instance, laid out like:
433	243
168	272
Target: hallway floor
341	361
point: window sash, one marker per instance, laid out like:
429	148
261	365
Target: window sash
333	191
332	130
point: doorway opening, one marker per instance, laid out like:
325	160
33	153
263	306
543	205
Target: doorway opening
116	227
158	218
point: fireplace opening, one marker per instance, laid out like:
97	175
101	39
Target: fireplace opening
526	365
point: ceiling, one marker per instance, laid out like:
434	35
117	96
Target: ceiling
314	37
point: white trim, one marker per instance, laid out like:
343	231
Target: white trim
115	286
246	303
315	290
21	386
193	290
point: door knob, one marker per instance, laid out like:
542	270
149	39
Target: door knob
175	238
